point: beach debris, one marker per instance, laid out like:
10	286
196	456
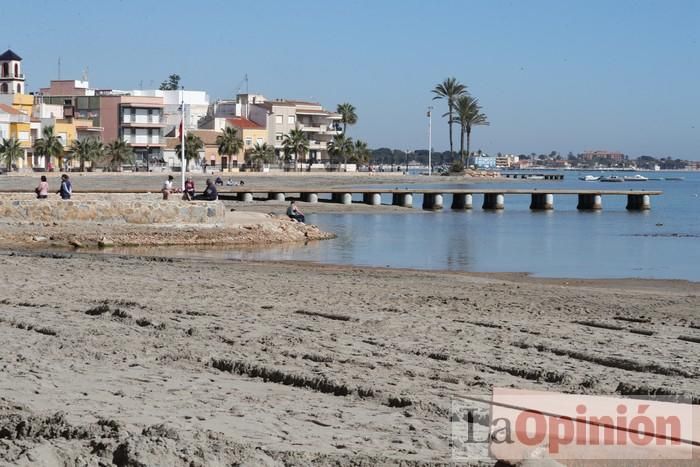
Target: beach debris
75	243
39	238
333	316
105	242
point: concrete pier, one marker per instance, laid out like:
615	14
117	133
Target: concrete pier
245	196
276	196
402	199
494	201
461	201
542	201
432	201
589	202
373	199
638	202
309	197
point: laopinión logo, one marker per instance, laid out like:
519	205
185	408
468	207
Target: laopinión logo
513	425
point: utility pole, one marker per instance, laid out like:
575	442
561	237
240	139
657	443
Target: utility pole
407	161
430	140
182	135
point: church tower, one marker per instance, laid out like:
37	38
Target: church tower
11	76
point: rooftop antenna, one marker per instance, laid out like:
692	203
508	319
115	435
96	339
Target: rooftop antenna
246	83
85	74
141	85
59	68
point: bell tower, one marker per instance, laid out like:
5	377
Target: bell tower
11	76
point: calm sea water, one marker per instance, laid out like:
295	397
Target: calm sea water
662	243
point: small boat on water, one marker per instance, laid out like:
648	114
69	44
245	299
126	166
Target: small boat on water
611	178
636	178
589	178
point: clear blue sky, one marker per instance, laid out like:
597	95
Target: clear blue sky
551	75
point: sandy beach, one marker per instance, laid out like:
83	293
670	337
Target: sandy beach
158	361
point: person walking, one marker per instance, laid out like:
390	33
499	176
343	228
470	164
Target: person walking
66	189
42	190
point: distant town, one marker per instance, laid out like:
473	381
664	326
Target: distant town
69	125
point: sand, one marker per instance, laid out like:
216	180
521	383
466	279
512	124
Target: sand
157	361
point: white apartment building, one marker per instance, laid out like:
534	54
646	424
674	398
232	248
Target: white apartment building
279	117
196	106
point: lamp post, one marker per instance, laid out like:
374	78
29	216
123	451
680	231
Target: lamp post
182	136
430	140
148	157
407	161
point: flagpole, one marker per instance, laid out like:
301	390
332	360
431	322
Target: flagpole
182	135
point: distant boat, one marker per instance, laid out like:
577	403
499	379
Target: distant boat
589	178
611	178
636	178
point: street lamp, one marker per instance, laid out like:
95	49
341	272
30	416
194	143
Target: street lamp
148	157
430	140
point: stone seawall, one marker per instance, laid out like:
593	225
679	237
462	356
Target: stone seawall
111	208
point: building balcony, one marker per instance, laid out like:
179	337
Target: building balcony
144	123
12	76
143	141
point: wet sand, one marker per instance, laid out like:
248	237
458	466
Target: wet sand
190	362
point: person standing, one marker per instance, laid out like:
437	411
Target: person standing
167	187
66	189
42	191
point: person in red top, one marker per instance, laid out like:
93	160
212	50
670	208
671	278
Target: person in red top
42	191
189	189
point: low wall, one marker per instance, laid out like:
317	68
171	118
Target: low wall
111	208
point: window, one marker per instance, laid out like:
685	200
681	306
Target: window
278	119
16	70
19	88
259	141
290	119
279	136
3	88
5	70
249	141
23	136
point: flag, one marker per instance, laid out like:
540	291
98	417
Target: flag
179	133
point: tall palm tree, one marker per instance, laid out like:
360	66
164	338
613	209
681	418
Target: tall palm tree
260	154
229	143
295	143
119	153
360	152
10	151
49	146
347	115
341	147
449	89
193	144
468	115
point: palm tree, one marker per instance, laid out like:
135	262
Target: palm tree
449	89
295	143
341	147
10	151
347	115
193	144
468	115
82	149
49	146
97	152
229	142
360	153
119	153
260	154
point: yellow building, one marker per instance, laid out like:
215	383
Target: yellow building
251	133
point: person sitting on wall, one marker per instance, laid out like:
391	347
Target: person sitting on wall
209	193
293	212
42	191
189	189
219	181
229	182
167	187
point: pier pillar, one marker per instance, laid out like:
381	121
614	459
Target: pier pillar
276	196
462	201
638	202
432	201
245	196
402	199
589	202
542	201
345	198
309	197
494	201
374	199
